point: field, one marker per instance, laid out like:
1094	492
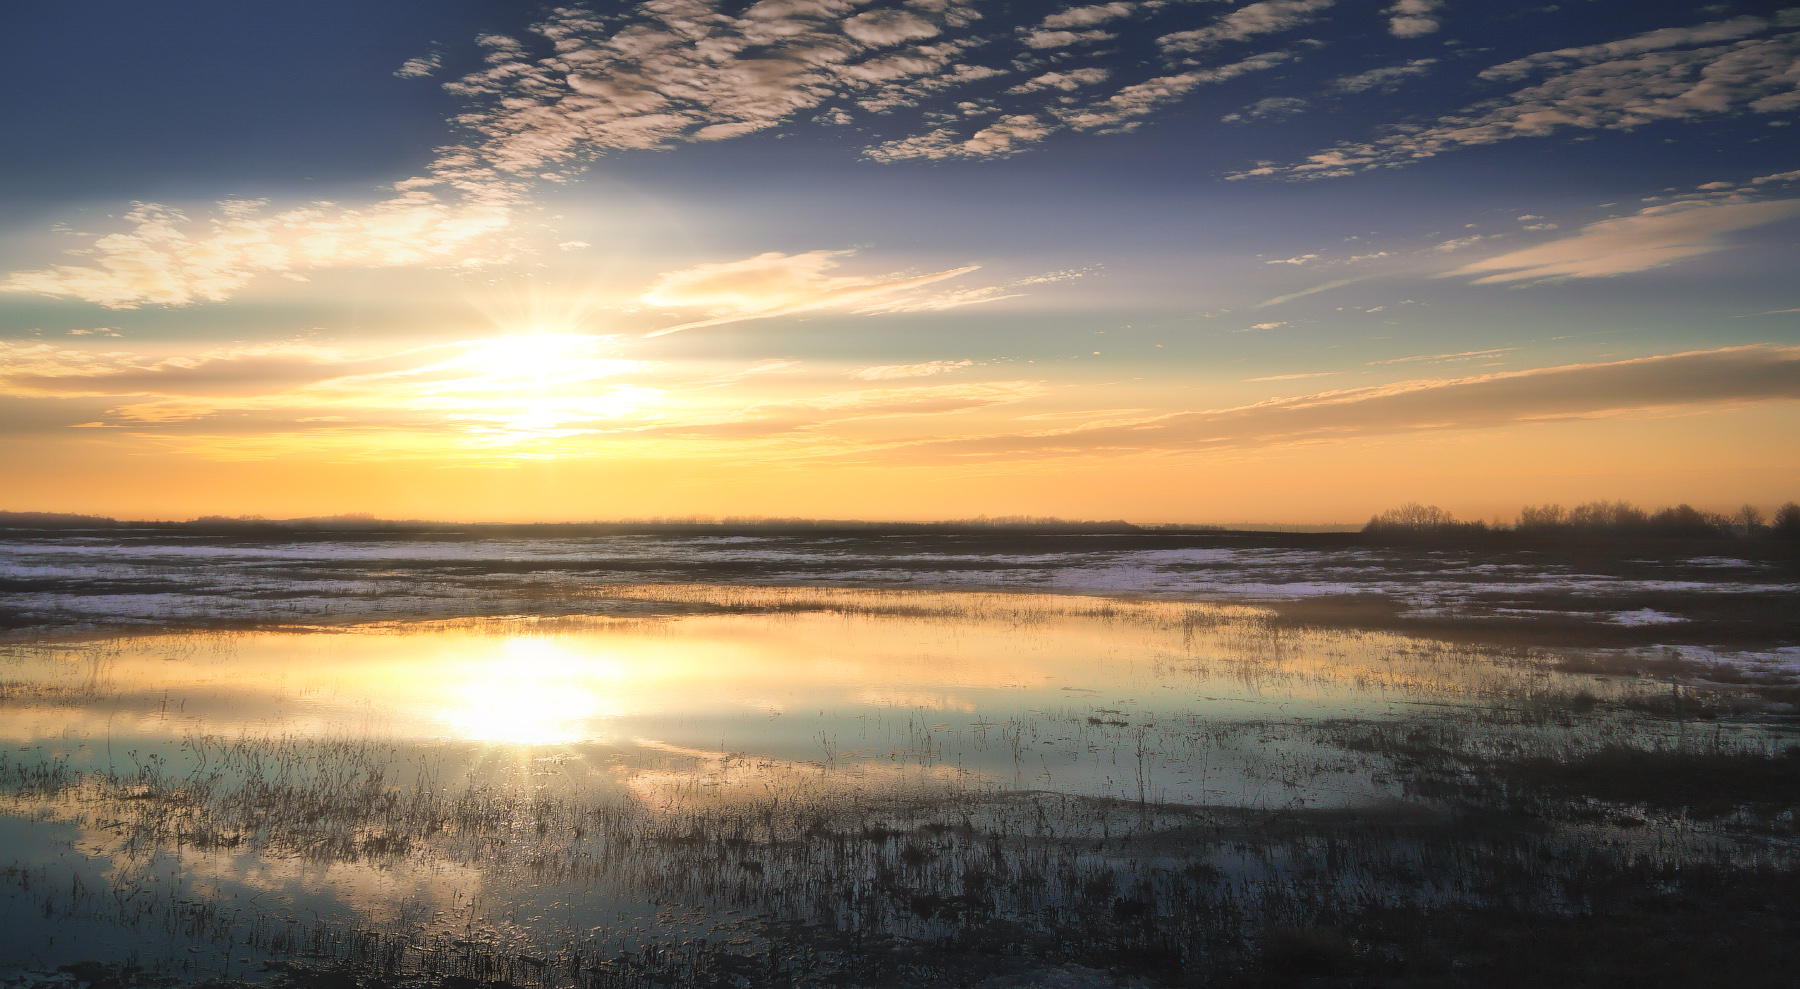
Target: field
712	756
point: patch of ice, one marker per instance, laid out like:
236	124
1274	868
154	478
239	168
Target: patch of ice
1644	616
1784	660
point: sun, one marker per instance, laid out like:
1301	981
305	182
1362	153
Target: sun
539	358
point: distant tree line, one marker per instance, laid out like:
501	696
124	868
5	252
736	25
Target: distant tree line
1598	518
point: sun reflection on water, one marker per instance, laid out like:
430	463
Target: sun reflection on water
534	693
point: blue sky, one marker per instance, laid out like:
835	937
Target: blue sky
925	258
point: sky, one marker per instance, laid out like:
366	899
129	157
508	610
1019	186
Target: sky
1287	261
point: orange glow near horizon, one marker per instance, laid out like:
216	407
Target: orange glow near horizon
1718	461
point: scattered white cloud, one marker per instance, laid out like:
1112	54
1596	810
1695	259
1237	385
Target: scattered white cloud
1650	41
1063	39
1065	81
1265	326
1123	107
1458	243
1266	17
1002	137
41	370
1274	107
775	284
1302	259
1793	176
882	28
1385	77
1413	18
1645	79
1088	16
1649	239
165	259
419	68
692	70
885	372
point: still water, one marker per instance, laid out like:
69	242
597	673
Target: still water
530	782
993	691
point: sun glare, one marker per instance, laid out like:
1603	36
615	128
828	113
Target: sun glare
534	693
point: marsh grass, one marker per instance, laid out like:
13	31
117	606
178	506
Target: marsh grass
963	884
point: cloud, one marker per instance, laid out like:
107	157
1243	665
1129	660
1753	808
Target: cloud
1633	243
889	27
1063	39
1266	17
808	420
691	70
1002	137
1413	18
1458	243
1793	176
920	400
1385	77
494	391
1296	377
884	372
1731	375
1141	99
938	301
1645	79
1088	16
657	75
164	259
419	68
1461	355
45	371
1065	81
1275	107
1658	40
1303	293
775	284
1266	326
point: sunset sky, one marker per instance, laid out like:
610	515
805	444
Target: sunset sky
1161	260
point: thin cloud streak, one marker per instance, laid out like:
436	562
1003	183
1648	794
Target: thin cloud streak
1732	375
1647	240
1303	293
775	284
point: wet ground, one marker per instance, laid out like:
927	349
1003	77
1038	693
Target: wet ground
1069	760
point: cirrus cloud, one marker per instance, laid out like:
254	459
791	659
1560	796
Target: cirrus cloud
775	284
1727	376
1650	239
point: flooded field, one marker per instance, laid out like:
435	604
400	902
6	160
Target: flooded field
319	765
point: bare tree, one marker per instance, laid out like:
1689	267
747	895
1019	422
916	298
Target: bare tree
1412	516
1542	516
1750	518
